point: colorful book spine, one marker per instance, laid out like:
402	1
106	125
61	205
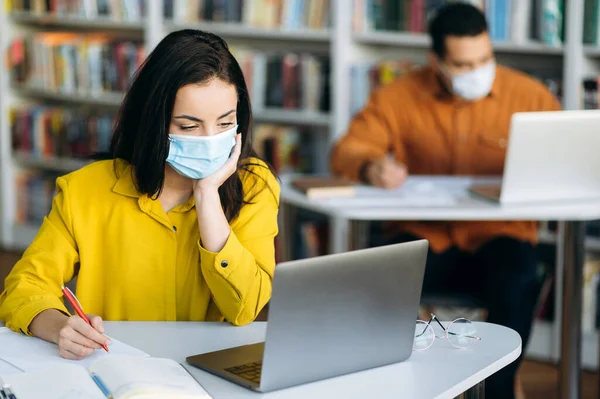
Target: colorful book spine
73	63
271	14
44	131
294	81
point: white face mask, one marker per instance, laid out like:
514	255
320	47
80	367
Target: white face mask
197	157
475	84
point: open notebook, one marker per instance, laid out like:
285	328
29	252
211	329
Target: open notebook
30	353
123	376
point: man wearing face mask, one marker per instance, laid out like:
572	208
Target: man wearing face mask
452	118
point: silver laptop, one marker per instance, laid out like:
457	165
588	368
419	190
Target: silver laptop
551	156
329	316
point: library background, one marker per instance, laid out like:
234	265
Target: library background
310	65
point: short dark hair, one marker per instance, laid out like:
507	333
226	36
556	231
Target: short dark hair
455	19
142	126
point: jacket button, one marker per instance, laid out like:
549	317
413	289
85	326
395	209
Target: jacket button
224	263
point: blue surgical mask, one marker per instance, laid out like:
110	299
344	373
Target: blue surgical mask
197	157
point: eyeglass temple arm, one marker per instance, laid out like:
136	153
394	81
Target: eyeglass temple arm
466	336
436	319
449	332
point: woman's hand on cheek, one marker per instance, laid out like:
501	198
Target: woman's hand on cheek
214	181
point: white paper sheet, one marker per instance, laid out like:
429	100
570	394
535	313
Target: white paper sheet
7	368
415	192
62	382
31	353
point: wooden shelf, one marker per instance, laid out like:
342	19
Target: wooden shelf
420	40
70	21
107	98
293	117
234	29
55	164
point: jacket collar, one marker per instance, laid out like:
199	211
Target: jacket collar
125	184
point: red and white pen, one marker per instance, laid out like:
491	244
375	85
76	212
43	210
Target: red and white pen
77	306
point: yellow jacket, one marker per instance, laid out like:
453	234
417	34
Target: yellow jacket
133	261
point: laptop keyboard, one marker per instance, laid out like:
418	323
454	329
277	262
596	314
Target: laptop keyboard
250	371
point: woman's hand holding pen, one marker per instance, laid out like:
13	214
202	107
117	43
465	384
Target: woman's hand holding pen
75	338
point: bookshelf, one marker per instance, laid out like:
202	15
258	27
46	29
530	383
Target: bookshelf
345	46
75	22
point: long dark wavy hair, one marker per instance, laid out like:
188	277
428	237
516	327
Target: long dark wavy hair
142	127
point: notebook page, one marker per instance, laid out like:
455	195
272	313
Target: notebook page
65	381
31	353
150	377
7	368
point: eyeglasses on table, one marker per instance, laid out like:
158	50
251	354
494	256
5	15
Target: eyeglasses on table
461	333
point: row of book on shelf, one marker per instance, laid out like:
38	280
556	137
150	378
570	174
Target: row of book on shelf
91	64
283	14
509	20
517	21
116	10
74	63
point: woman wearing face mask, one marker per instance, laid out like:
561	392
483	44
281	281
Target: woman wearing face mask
180	225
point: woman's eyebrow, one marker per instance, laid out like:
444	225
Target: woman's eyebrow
192	118
226	114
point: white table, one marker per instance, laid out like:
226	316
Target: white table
442	371
447	199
